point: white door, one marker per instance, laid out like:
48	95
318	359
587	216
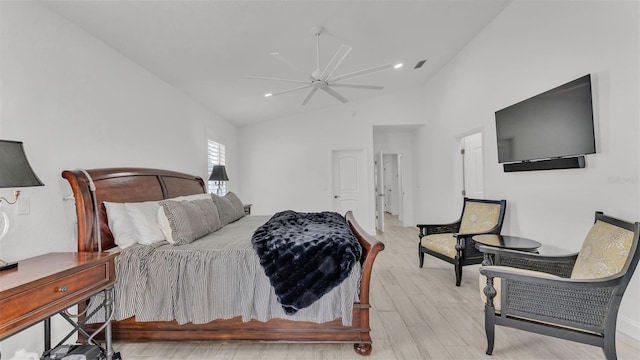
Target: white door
472	163
350	183
379	191
400	193
389	185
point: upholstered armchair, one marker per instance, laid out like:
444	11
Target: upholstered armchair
574	297
453	242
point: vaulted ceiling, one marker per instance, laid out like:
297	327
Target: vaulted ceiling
205	48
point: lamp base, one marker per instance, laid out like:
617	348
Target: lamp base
7	266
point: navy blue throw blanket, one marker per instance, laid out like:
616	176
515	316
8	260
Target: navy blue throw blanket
305	255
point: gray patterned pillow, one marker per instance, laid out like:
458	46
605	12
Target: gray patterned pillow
227	210
237	204
191	220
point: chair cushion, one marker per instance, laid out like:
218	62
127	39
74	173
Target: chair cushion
479	217
497	282
444	244
604	252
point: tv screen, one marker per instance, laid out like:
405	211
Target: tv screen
557	123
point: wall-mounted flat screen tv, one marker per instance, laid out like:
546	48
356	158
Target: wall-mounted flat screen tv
557	123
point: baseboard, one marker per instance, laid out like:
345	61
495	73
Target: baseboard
629	327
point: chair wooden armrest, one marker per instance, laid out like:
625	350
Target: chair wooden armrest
495	230
580	303
560	265
429	229
515	275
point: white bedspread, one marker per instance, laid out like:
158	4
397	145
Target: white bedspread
216	277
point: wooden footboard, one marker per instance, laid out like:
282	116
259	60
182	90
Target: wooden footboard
137	184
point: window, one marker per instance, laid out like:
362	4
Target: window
215	156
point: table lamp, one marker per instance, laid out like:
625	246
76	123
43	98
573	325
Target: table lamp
15	171
218	174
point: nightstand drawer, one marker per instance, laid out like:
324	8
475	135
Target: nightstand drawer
59	293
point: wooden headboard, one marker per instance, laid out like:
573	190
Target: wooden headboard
121	185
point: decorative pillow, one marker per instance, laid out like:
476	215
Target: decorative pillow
479	217
143	217
190	220
227	210
162	220
237	204
124	234
604	252
203	196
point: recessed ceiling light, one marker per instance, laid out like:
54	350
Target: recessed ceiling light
397	66
267	94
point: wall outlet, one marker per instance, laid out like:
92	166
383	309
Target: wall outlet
24	206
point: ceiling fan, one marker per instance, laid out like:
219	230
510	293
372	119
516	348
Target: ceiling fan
324	79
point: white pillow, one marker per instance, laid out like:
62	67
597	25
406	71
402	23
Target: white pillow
143	215
124	234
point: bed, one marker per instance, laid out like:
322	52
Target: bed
91	188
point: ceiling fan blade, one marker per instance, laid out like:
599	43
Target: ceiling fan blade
333	93
361	72
290	90
338	57
309	95
277	79
371	87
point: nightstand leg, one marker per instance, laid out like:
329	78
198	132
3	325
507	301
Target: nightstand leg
108	309
47	334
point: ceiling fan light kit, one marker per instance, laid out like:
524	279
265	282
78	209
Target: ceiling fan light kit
324	79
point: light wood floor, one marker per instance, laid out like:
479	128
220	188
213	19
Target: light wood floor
416	314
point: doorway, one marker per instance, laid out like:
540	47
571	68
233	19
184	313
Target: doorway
392	184
472	165
389	192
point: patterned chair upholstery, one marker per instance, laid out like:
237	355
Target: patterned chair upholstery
574	297
453	242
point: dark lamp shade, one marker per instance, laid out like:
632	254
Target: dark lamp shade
15	170
218	173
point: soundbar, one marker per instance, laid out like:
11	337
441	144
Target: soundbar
550	164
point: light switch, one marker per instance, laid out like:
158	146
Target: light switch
24	207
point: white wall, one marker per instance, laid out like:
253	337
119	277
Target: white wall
286	163
75	103
529	48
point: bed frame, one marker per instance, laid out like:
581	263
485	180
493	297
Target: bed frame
139	184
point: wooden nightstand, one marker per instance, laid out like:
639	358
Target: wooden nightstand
45	285
247	209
